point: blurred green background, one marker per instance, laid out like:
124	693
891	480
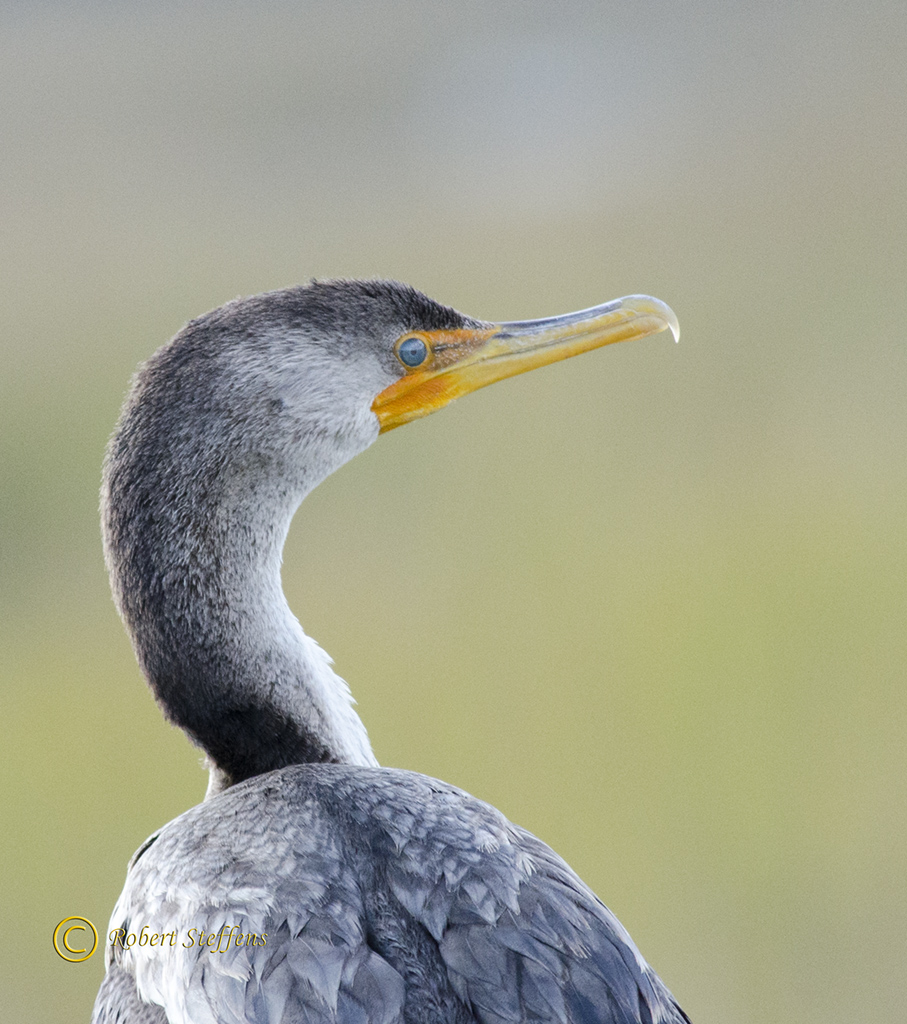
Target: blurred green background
649	602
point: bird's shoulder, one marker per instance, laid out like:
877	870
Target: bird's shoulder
359	894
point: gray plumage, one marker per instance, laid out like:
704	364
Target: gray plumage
362	895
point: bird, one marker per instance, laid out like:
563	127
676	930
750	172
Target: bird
311	884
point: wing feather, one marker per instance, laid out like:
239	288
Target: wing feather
382	897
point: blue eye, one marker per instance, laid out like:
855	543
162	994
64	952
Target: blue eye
412	351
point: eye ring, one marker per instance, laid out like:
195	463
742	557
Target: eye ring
412	351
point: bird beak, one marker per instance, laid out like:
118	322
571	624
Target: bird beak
465	359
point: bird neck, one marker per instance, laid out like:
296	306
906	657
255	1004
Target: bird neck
195	571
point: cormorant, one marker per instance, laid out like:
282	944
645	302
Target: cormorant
312	885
